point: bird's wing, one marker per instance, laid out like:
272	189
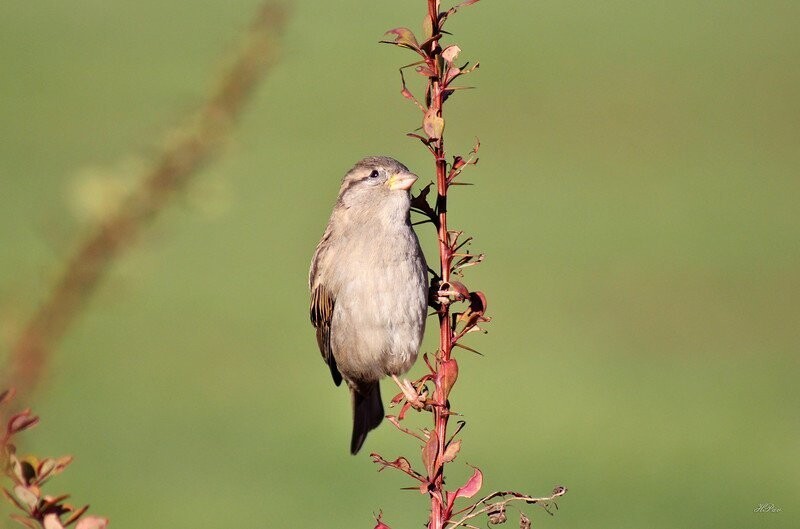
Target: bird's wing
321	311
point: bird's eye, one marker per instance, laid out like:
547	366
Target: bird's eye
374	173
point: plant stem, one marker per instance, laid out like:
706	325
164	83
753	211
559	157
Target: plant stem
441	408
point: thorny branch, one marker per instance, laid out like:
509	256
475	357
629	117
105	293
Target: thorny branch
438	66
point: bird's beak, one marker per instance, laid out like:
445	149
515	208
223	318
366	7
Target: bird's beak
402	181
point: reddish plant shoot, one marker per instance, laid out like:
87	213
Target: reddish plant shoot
27	476
460	311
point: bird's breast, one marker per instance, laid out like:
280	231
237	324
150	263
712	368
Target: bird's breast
379	318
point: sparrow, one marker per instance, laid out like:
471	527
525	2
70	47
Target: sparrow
368	284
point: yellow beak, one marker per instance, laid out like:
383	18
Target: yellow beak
402	181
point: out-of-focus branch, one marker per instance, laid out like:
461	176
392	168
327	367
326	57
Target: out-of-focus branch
191	145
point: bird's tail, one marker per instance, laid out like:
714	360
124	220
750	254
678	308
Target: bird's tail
367	412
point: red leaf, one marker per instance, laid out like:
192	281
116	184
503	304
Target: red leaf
451	451
92	522
446	376
471	487
403	410
452	73
429	454
27	496
450	53
61	464
425	70
425	191
404	38
459	287
401	463
405	91
426	141
477	301
52	500
21	421
427	27
45	467
16	467
432	124
51	521
77	514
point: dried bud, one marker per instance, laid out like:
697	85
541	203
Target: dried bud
524	521
559	491
497	513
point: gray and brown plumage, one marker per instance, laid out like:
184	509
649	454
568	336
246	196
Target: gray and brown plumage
368	282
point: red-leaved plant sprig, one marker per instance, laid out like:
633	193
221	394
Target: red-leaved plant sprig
439	66
28	474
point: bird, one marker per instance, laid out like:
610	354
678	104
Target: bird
368	287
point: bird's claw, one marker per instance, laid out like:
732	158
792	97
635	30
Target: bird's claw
410	393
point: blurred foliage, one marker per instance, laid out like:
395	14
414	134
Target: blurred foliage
637	200
25	478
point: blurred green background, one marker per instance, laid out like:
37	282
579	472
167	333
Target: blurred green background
637	199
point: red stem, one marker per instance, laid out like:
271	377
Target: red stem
439	510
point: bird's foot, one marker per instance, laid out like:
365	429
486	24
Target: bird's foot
410	393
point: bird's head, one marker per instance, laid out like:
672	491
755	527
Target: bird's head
377	184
